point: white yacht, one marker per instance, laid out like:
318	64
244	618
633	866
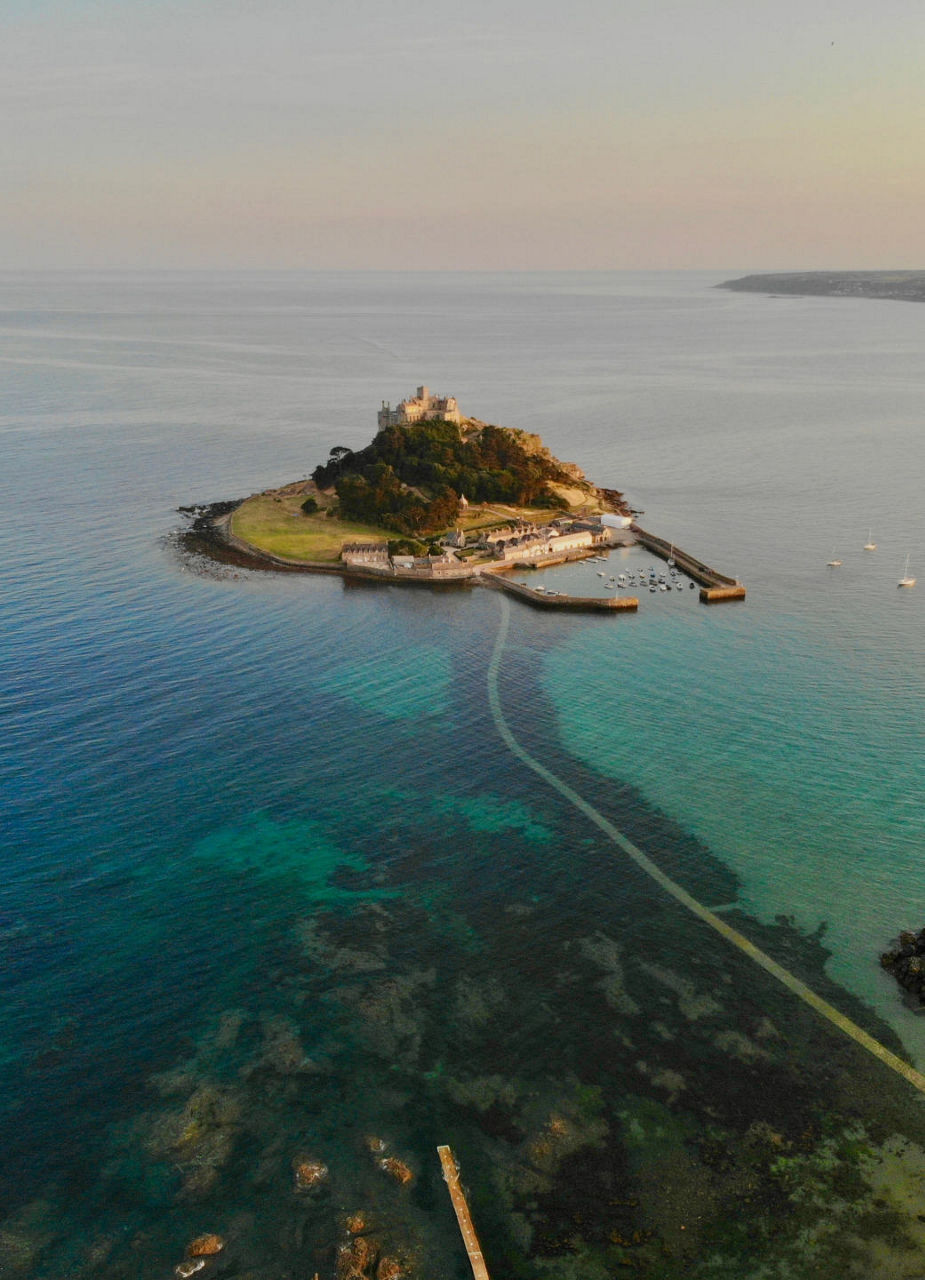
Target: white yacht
907	579
870	545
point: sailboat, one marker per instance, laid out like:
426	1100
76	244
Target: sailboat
906	580
870	545
833	563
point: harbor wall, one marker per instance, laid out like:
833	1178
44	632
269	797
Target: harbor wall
715	586
539	600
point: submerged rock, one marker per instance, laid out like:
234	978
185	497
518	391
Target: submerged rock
283	1051
607	955
23	1237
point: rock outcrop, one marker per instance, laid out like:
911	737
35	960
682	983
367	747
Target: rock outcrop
906	961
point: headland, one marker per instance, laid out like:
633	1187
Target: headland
900	286
438	499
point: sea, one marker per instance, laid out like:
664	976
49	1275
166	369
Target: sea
281	911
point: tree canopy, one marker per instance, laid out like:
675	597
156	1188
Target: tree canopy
410	478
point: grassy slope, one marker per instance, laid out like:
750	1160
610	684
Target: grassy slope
277	525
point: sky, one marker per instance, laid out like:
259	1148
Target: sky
424	134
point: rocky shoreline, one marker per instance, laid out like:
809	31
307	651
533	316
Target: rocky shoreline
209	536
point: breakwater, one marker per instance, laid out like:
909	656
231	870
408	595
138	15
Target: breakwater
540	600
714	586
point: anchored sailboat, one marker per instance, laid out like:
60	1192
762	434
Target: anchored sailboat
870	545
906	580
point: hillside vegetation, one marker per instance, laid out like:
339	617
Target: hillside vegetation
410	478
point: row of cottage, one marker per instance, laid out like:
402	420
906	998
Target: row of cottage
522	541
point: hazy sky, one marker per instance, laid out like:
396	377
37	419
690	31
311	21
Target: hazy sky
425	134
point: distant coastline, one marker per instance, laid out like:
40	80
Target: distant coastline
897	286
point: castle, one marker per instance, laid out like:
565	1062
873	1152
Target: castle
417	408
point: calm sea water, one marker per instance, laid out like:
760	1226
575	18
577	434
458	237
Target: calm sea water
272	885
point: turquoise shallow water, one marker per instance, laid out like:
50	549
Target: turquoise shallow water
272	884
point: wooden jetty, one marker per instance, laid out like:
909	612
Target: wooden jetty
463	1217
714	586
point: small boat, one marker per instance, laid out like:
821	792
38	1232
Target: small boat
600	573
663	586
671	554
870	545
833	563
653	587
906	580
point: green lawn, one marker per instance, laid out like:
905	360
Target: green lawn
277	525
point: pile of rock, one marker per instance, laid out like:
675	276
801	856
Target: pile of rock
906	962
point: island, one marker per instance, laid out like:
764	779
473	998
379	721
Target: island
902	286
438	498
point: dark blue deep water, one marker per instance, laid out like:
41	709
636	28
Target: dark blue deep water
275	890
